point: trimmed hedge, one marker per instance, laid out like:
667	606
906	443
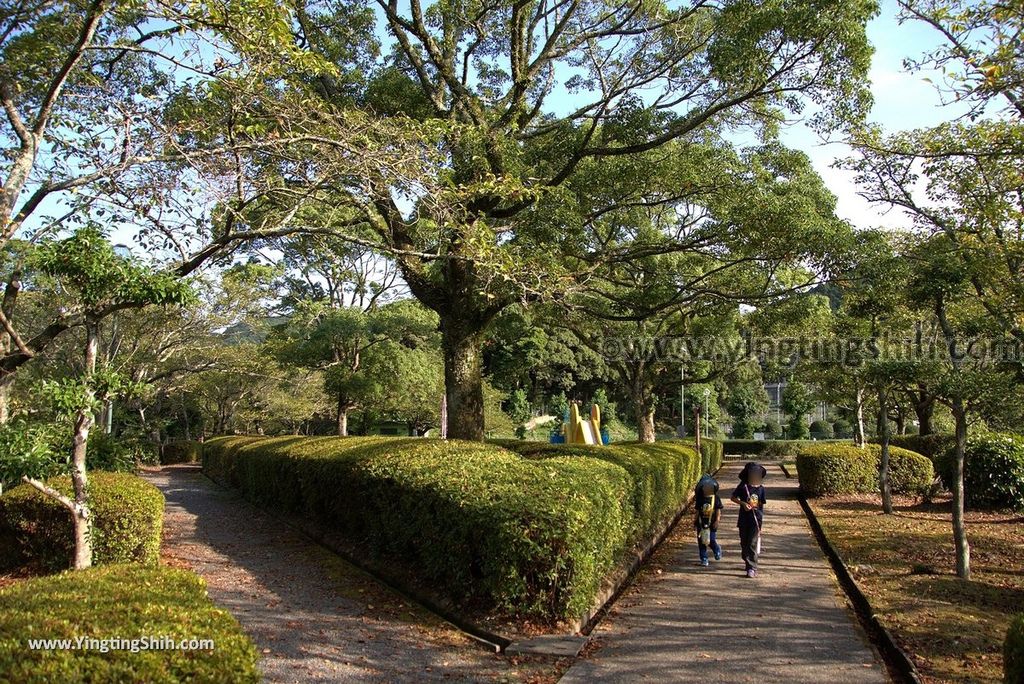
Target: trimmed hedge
993	471
928	445
829	469
120	602
127	521
712	453
770	449
532	533
1013	652
181	451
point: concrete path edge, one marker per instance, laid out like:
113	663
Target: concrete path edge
897	660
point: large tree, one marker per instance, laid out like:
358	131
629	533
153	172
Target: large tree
524	100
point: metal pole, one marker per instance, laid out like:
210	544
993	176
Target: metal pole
682	400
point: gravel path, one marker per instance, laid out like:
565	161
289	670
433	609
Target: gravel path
683	623
314	616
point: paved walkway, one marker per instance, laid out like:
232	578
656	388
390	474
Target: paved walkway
683	623
313	616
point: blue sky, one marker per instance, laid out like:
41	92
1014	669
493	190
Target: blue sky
902	101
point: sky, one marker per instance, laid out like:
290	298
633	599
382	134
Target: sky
903	101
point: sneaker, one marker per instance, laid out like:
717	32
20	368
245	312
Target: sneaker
718	554
704	562
751	572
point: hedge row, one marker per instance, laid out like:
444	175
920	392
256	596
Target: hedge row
1013	652
993	470
120	602
127	521
771	449
927	445
181	451
712	452
533	534
828	469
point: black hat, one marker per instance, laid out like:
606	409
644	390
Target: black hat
752	465
706	479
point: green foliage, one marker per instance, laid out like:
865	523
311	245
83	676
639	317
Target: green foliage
768	449
931	446
829	469
712	451
124	602
181	451
993	470
41	449
113	454
797	402
519	409
33	449
127	519
1013	652
821	429
746	402
843	429
87	264
534	534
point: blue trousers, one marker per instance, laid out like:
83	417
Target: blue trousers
703	549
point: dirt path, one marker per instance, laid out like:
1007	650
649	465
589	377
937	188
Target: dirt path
683	623
315	617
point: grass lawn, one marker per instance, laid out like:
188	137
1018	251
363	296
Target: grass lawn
954	631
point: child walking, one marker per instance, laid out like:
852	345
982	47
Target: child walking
750	497
709	512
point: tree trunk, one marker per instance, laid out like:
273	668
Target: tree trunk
645	424
963	547
884	481
462	379
6	383
858	431
342	417
925	410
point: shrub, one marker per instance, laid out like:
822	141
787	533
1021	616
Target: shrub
126	602
1013	652
993	471
821	429
843	429
181	451
767	449
112	454
712	453
929	445
533	534
827	469
32	449
127	521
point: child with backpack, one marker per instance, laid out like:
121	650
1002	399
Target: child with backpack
749	494
708	513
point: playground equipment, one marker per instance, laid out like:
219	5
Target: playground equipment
579	430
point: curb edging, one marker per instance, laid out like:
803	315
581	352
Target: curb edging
896	658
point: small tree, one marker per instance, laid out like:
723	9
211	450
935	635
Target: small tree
519	411
746	402
797	402
96	281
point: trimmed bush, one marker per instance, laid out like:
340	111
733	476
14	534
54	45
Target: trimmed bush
829	469
127	521
929	445
770	449
993	471
1013	652
181	451
533	532
821	429
120	602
